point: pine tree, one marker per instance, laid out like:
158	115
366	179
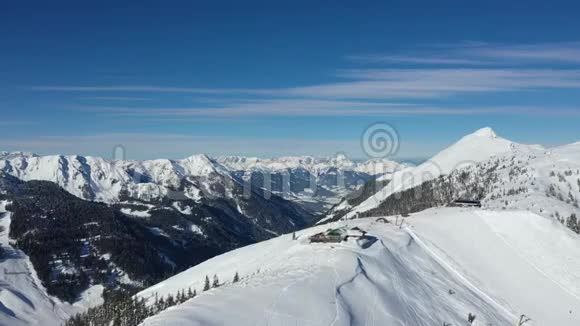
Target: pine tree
156	302
183	296
206	286
572	223
170	301
189	293
236	278
180	298
216	281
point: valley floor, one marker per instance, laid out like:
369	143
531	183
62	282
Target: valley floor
445	264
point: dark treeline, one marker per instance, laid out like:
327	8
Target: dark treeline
60	232
473	183
122	309
125	310
67	238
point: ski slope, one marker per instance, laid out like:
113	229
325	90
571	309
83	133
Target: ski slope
530	263
444	264
23	299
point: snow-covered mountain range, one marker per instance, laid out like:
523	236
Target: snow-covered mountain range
317	184
187	186
314	183
97	179
315	166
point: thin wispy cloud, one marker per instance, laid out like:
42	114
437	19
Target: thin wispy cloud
479	54
281	107
390	84
311	108
431	60
447	82
148	89
443	71
548	52
115	98
436	83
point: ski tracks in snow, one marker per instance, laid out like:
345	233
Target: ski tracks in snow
522	256
457	274
270	313
272	316
332	264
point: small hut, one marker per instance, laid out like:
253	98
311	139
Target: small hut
465	203
330	236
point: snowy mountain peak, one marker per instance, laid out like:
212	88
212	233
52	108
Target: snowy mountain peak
485	132
8	155
469	150
475	147
341	157
201	164
198	157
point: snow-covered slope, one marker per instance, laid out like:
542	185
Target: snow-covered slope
23	299
445	264
545	181
531	264
516	176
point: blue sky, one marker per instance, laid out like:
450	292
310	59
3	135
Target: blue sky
169	79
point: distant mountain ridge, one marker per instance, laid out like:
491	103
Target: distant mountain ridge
114	181
97	179
315	183
313	165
